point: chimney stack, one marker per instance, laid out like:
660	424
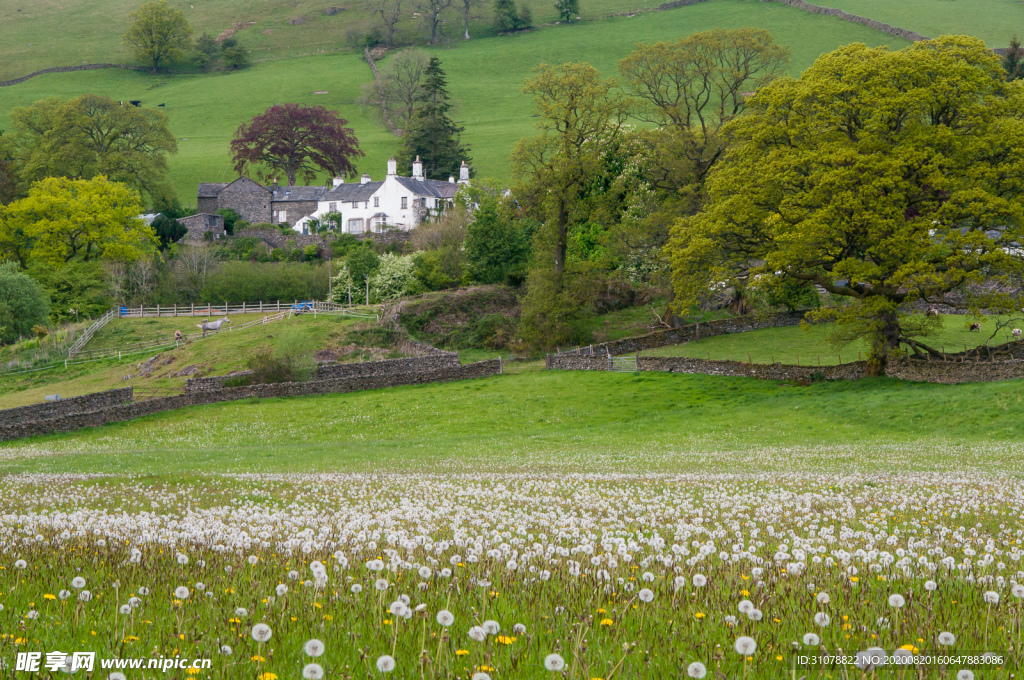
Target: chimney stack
451	179
337	181
392	166
464	173
275	184
365	179
417	168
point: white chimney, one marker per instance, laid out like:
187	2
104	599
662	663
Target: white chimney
417	168
464	173
365	179
392	166
337	181
451	179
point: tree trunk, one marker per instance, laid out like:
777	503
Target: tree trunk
561	245
884	342
291	177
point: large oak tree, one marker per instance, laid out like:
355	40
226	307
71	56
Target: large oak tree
882	176
294	139
158	33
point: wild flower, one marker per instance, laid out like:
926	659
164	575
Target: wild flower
313	671
811	640
946	639
78	582
491	627
481	676
745	645
646	595
477	633
20	564
519	629
445	618
554	663
822	598
85	596
281	589
745	606
385	663
896	601
182	592
425	572
125	609
991	597
696	670
381	584
261	632
965	674
1017	591
225	650
930	585
699	580
252	559
356	589
822	619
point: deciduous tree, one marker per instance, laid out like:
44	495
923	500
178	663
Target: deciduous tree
883	177
94	135
295	139
434	17
66	219
23	303
397	89
158	33
567	9
389	11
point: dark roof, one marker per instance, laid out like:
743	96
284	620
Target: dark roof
211	189
297	193
352	192
429	187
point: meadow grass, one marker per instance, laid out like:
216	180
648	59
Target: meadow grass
551	420
811	344
994	21
485	76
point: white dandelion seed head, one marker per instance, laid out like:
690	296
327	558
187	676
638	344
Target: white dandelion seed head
930	585
181	592
554	663
125	609
745	645
822	598
182	559
314	647
822	619
116	675
755	615
78	582
696	670
1017	591
313	671
745	606
356	589
491	627
519	629
85	596
965	674
445	618
281	589
425	572
381	584
252	559
386	663
20	564
225	650
646	595
946	639
261	632
481	676
699	580
477	633
991	597
897	601
811	640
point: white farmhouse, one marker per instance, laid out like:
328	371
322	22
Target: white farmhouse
397	202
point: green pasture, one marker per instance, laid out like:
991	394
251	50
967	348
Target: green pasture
485	76
553	420
812	345
216	354
994	21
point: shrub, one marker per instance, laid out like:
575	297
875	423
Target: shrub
291	359
393	278
23	303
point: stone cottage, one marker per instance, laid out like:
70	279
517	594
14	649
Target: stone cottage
367	206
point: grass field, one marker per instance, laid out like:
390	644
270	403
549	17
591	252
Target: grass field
811	346
994	21
485	75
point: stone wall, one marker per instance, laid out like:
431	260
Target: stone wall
676	336
851	371
68	69
206	204
677	3
359	369
119	413
954	373
247	198
52	409
198	225
213	382
276	239
870	23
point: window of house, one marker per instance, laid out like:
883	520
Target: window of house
376	201
355	225
283	216
405	202
366	204
332	207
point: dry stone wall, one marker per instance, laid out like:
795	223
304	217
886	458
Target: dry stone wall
53	409
114	414
68	69
870	23
360	369
954	373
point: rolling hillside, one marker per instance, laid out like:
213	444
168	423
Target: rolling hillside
485	75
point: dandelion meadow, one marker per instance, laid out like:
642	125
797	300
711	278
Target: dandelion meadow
569	538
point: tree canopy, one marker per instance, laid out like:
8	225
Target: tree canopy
295	139
883	177
93	135
23	303
158	33
432	134
63	219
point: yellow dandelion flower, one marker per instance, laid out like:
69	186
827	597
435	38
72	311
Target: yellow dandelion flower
268	676
699	615
607	622
745	593
504	640
49	596
258	659
387	622
461	652
193	671
600	611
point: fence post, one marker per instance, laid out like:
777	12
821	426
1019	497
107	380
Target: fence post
207	309
243	306
500	366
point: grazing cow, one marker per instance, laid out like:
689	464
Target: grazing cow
975	326
212	325
1016	334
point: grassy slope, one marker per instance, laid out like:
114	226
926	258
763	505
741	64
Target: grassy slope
562	420
994	21
793	344
485	75
217	354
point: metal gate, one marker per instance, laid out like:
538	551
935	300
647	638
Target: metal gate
622	364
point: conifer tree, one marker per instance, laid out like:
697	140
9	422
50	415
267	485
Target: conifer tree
432	134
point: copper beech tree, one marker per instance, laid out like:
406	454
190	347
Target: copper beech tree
293	140
884	177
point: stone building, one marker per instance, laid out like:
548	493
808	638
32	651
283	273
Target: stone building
368	206
198	225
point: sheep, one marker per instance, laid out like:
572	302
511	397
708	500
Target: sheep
1016	334
975	327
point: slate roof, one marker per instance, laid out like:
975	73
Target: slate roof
429	187
211	189
352	192
297	193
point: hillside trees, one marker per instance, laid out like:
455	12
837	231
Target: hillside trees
432	134
497	245
508	17
294	139
64	219
1013	60
394	94
90	136
9	181
23	303
567	9
467	8
883	177
434	17
158	33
